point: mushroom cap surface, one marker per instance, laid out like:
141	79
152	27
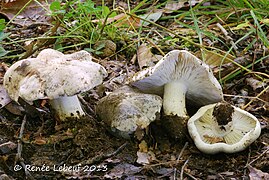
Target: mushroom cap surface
52	75
181	66
210	137
4	97
126	109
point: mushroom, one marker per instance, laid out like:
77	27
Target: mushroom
177	76
221	127
126	109
4	97
57	77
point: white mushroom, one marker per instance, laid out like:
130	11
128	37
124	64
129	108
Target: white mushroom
4	97
55	76
176	75
221	127
126	109
179	75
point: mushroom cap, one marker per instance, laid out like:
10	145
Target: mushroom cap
126	109
4	97
52	75
181	66
235	136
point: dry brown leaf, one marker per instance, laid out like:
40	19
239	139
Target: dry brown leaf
121	20
143	146
176	5
145	57
7	147
31	14
142	158
254	83
213	58
122	169
256	174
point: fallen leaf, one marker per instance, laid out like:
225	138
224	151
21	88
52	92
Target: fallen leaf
122	169
213	58
105	47
143	146
254	83
33	13
256	174
145	57
145	157
120	20
7	147
39	141
154	16
176	5
142	158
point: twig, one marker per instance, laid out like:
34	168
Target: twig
191	176
229	39
89	109
182	169
101	157
19	150
257	157
179	156
263	91
245	97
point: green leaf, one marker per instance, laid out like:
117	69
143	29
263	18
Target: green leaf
106	11
2	51
55	6
2	24
3	35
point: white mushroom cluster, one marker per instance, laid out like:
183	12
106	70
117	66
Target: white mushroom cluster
178	77
55	76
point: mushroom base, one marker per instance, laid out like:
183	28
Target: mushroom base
66	108
176	127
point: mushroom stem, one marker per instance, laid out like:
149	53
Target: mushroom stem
67	107
174	99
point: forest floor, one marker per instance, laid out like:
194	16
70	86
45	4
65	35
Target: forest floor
85	149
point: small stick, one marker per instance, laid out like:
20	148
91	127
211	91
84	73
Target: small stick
179	156
245	97
229	39
263	91
19	150
257	157
182	169
89	109
101	157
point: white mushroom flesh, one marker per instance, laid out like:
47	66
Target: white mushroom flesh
68	106
212	138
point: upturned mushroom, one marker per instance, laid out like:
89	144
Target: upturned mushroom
177	76
57	77
126	109
221	127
